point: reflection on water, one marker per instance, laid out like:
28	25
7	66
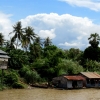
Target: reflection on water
50	94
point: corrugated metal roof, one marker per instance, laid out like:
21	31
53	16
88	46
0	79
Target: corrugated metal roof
74	77
2	52
4	56
90	74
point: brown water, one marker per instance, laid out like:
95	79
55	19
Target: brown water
50	94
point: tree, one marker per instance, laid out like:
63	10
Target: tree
91	65
9	46
35	51
69	67
30	34
18	33
47	65
24	42
47	42
93	51
17	59
73	54
28	37
1	39
94	40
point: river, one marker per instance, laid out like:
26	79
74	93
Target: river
50	94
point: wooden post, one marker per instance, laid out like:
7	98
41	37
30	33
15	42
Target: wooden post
2	79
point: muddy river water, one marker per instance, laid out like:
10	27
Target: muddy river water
50	94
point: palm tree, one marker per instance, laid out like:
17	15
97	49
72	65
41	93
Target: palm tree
24	42
1	39
94	40
38	41
28	37
18	33
47	42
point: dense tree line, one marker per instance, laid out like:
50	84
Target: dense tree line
35	60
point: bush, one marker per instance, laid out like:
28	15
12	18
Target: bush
31	77
23	70
69	67
91	65
10	78
18	85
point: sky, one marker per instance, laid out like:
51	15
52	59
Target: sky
68	23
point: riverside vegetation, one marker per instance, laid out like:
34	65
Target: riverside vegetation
34	60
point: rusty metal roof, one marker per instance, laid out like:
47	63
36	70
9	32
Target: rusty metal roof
90	74
74	77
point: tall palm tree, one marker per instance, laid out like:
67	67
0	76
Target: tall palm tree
1	39
28	37
24	42
18	33
94	40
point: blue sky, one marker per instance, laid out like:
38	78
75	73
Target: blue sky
68	23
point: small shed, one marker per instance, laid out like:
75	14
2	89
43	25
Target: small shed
3	59
92	79
59	82
74	81
68	82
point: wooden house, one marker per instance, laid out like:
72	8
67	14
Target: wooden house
3	60
68	82
74	81
92	79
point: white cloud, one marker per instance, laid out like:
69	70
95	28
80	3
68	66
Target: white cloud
47	33
63	29
5	24
91	4
72	45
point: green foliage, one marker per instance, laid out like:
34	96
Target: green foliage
31	77
10	78
17	31
46	67
69	67
35	51
92	53
1	39
18	85
17	59
91	65
23	70
74	54
94	40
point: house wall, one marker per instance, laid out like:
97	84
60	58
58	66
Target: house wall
62	83
80	84
92	83
69	84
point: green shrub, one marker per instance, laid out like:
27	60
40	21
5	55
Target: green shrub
23	70
10	78
69	67
91	65
18	85
31	77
